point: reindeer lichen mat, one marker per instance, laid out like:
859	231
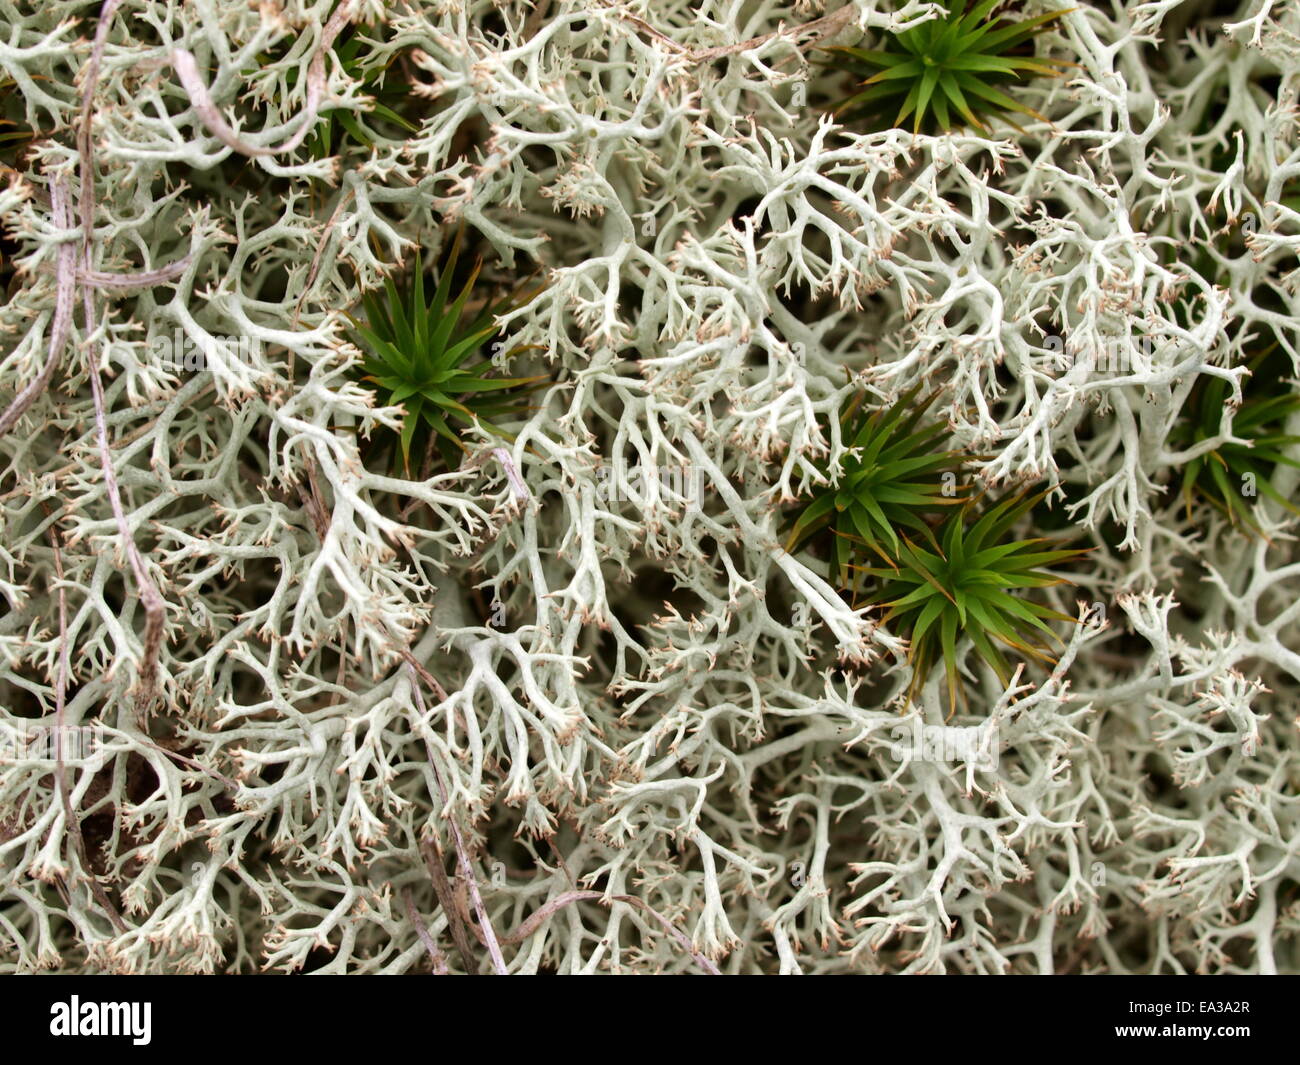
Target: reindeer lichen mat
544	486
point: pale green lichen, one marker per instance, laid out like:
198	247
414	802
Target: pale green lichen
571	676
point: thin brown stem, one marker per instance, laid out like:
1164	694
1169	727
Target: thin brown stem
462	855
150	597
447	900
436	955
61	778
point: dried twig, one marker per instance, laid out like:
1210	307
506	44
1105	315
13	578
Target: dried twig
187	71
462	856
175	756
543	913
425	676
61	777
435	955
146	279
447	900
150	598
